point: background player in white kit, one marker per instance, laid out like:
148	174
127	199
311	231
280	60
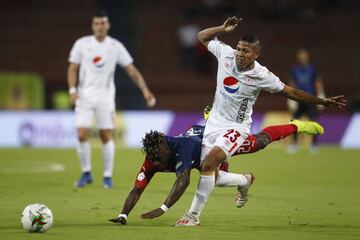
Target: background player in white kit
93	59
239	81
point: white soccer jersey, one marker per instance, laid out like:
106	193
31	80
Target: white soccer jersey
97	67
236	92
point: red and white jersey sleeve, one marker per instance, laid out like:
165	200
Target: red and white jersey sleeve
269	81
75	53
145	174
217	47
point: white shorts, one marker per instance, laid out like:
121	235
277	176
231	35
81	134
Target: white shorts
229	139
104	113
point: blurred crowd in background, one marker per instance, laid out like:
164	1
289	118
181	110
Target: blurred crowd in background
162	36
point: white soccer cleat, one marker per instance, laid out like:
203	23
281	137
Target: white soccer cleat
242	195
188	220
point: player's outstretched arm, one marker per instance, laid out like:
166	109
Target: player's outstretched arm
179	187
143	178
132	199
206	35
138	79
129	204
301	96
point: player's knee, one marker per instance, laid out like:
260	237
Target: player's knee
208	166
105	136
82	136
82	139
212	160
263	140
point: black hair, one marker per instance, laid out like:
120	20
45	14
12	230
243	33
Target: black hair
251	38
151	143
100	13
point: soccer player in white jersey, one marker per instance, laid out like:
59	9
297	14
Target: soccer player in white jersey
240	78
93	60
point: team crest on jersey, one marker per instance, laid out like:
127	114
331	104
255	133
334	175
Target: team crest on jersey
98	61
193	132
231	85
141	176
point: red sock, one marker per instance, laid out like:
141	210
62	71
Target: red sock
224	166
278	132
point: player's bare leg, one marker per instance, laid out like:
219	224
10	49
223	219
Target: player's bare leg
84	154
108	156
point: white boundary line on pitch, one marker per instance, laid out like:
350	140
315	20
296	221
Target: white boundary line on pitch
35	167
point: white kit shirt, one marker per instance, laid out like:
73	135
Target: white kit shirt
97	66
236	92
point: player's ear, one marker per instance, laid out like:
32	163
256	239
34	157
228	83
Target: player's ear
257	53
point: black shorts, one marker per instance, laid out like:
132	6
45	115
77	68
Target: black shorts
306	109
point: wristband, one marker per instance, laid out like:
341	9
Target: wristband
123	216
164	208
72	90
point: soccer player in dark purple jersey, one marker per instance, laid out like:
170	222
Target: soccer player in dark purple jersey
181	154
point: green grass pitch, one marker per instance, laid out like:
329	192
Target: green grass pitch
300	196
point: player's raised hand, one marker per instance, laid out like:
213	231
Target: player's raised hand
153	214
337	101
231	23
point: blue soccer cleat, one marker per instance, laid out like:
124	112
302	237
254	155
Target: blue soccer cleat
85	178
107	182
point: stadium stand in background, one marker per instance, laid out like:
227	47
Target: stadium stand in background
41	34
21	91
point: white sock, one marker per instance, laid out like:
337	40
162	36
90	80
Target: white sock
227	179
108	157
203	191
84	154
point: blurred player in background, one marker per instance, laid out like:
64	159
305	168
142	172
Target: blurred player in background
181	154
240	78
304	76
93	60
